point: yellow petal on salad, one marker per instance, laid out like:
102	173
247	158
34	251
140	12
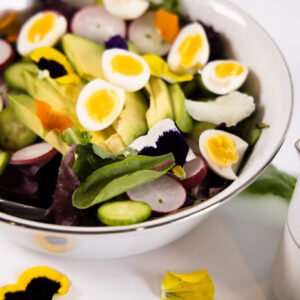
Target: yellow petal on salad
160	68
190	286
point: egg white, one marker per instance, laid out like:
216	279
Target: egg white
127	82
241	147
126	9
202	55
25	47
222	86
83	116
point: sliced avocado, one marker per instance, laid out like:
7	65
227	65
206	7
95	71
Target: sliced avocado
132	123
24	108
70	92
115	144
13	75
14	134
40	89
160	102
182	119
84	55
4	160
198	129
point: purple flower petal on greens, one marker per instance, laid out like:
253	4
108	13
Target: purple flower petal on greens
116	42
169	141
62	210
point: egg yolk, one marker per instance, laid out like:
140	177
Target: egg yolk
101	104
189	49
228	69
41	27
221	150
126	65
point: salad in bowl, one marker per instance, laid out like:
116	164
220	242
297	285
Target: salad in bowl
120	112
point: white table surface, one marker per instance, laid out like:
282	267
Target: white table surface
237	243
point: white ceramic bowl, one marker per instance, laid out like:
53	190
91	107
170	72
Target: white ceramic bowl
269	81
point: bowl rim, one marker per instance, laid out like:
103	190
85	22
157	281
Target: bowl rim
97	230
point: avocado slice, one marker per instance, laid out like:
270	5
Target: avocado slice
13	75
199	128
160	103
115	144
84	55
132	123
41	89
24	108
182	119
14	135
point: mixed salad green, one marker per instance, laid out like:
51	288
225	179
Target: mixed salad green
119	112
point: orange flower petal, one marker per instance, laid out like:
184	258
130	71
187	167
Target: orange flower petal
50	118
167	24
8	19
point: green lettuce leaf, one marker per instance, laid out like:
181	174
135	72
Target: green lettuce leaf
119	177
274	181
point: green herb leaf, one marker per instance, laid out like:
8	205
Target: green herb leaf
119	177
74	136
275	182
87	161
169	5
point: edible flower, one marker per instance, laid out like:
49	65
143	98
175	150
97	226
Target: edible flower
56	64
164	137
50	118
116	41
167	24
194	285
159	68
36	283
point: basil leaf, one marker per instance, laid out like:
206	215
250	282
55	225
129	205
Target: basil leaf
275	182
94	189
127	182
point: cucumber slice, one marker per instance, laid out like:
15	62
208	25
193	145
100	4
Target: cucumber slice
4	160
13	75
125	212
14	135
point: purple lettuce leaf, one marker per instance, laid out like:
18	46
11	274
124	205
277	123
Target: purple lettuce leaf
62	210
15	182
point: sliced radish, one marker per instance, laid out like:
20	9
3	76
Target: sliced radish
145	37
164	195
6	53
33	154
97	24
196	171
126	9
194	146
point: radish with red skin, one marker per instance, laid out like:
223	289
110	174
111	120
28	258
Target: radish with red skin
163	195
93	22
33	154
143	34
195	171
6	54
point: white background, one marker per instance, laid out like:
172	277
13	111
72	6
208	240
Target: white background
237	244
